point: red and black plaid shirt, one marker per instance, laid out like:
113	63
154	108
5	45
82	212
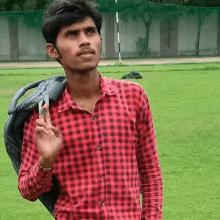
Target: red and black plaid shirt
107	158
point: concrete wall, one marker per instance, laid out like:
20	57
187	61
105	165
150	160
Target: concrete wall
187	31
4	39
130	31
32	46
169	38
103	34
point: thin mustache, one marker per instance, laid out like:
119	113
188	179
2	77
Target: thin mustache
85	51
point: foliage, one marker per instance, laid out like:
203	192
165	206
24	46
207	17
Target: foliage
106	6
36	4
33	18
23	5
2	4
202	3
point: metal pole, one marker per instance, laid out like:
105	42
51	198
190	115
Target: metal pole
117	20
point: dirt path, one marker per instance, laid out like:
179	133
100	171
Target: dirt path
112	62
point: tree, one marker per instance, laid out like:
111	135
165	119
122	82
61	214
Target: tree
147	11
214	3
2	5
201	15
23	5
144	10
201	11
160	9
126	9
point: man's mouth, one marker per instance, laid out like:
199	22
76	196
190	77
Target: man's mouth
86	52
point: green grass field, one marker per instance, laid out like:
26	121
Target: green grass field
185	100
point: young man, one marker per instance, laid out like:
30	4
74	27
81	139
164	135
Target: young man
98	139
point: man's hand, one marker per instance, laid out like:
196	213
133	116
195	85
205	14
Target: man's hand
48	139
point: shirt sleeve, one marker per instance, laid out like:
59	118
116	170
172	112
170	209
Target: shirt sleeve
32	182
148	162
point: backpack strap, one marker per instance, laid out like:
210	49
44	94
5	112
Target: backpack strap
52	87
19	94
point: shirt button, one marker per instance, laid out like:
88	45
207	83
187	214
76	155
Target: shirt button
94	118
102	203
102	176
98	148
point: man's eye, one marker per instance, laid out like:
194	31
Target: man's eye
91	31
72	34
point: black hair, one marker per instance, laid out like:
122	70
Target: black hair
63	13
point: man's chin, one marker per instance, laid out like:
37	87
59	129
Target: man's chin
87	67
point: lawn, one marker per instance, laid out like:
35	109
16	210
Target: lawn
185	100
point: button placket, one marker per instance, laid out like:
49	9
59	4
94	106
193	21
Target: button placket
102	176
99	161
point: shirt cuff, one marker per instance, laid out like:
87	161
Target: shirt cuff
43	180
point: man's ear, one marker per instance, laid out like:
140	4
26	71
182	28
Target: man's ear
52	51
101	43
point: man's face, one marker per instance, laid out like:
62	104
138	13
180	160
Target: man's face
79	46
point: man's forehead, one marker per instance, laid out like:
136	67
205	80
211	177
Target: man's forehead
87	22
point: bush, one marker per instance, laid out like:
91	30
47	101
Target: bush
141	47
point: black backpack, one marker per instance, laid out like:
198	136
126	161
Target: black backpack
18	113
132	75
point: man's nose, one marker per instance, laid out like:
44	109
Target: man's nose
84	41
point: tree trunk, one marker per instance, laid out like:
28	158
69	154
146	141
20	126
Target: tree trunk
147	37
201	21
147	32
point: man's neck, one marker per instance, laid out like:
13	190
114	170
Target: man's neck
83	86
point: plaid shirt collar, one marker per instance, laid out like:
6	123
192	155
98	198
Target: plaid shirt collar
105	89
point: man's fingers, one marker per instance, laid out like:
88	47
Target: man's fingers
44	109
47	115
39	130
42	123
47	118
56	132
43	126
